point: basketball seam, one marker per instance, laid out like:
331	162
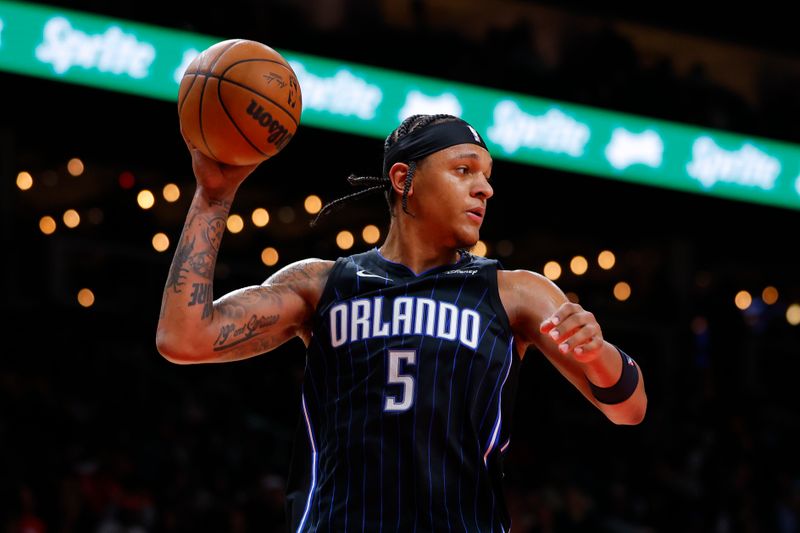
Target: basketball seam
202	93
223	78
277	62
245	87
230	117
188	90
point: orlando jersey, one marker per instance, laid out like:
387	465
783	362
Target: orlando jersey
406	400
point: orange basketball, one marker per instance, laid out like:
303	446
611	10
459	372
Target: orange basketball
239	102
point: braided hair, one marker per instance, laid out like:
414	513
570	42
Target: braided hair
373	184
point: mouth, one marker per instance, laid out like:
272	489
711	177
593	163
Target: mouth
477	213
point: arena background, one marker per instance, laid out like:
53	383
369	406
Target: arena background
99	433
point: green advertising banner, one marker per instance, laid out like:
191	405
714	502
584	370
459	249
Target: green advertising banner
146	60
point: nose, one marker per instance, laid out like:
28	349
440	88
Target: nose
482	188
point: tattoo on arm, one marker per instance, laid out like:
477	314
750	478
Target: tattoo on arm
214	232
202	263
231	335
245	331
239	307
182	253
192	256
201	295
298	277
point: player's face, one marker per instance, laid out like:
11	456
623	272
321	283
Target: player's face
451	188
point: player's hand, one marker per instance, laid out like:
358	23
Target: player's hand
217	178
575	331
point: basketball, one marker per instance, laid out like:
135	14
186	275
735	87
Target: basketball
239	102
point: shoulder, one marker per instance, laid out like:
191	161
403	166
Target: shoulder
303	270
525	280
307	278
528	298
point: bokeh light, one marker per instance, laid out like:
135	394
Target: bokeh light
579	265
345	240
24	181
71	218
313	204
160	242
260	217
86	297
269	256
371	234
75	167
743	299
606	259
171	192
552	270
47	225
769	295
622	291
145	199
235	223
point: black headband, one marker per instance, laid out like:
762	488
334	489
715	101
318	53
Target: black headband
428	140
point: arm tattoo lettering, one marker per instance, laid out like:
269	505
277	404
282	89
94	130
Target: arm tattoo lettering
231	335
202	295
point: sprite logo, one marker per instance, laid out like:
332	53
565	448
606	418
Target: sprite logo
342	94
112	51
553	132
748	166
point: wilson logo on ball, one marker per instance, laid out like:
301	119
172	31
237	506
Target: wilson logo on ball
278	134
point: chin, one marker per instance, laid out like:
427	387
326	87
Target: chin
467	241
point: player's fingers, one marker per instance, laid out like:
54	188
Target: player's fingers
594	343
568	326
562	333
561	314
589	351
577	337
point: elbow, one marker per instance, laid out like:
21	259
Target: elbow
633	418
631	414
175	351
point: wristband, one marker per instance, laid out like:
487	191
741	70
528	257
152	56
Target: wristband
623	388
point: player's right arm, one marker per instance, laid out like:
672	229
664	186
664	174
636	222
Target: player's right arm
192	326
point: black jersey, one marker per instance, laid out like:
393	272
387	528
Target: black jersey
406	400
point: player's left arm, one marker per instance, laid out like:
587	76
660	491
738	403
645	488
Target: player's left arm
572	340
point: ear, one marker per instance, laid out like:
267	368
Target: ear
397	175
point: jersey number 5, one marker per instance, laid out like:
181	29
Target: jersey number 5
406	398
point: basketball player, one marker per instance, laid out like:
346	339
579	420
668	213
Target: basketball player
413	348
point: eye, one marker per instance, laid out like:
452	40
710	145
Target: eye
463	170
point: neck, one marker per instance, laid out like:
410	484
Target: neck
413	246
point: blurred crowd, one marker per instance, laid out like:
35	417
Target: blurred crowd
113	439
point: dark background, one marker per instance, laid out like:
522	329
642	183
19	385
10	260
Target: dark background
99	433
